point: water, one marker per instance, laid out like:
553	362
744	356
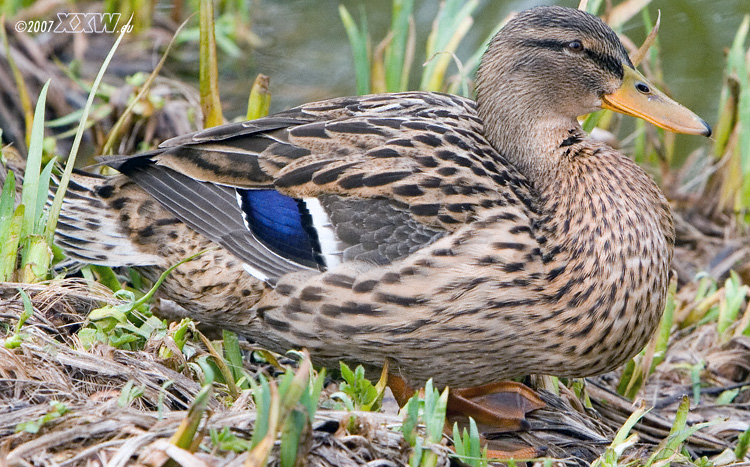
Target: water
306	51
308	57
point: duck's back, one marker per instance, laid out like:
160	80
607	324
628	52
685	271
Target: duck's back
368	180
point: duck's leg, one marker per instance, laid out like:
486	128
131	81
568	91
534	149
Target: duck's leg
498	407
401	390
501	406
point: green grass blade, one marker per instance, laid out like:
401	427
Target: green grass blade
594	6
234	356
622	440
743	443
734	296
312	395
458	443
209	68
106	277
730	93
411	420
163	276
10	245
591	120
66	120
416	458
42	195
624	431
451	25
468	446
435	409
435	405
34	165
744	137
188	428
665	328
35	255
260	98
291	435
7	198
54	212
262	398
293	386
396	66
476	451
738	187
36	259
7	202
671	446
359	41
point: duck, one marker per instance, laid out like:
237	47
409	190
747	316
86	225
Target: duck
467	241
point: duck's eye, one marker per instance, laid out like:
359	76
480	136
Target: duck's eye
575	46
642	88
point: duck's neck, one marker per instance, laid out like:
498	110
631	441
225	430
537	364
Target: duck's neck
607	233
532	141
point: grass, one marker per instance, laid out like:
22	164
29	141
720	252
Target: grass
285	397
468	446
427	411
733	128
387	68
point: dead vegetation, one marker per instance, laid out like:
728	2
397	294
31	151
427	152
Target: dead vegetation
66	402
61	404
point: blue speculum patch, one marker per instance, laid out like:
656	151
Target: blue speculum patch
283	224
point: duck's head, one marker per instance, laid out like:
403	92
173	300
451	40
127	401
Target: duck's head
550	65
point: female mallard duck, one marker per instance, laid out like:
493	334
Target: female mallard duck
469	242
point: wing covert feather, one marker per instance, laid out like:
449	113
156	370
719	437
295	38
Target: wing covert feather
420	156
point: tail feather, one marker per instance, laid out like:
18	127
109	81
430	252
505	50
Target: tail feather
113	222
94	224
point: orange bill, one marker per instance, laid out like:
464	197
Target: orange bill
639	98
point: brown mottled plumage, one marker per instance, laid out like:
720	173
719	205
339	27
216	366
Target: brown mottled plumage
465	242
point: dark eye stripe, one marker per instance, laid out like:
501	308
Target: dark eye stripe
608	62
545	43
